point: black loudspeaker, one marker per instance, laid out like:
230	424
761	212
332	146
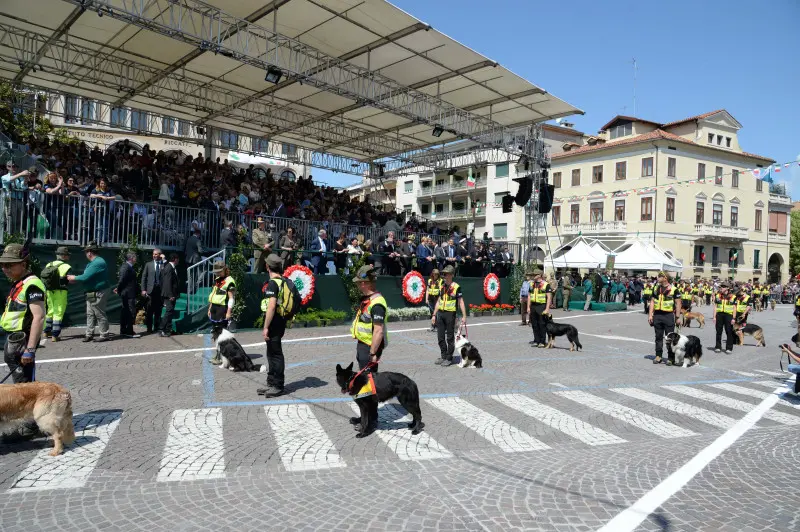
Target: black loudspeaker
546	198
525	190
508	203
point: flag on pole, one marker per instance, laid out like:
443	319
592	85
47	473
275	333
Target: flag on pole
470	179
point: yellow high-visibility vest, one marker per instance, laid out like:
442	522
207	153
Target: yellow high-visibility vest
434	286
362	326
447	298
725	304
17	303
743	303
665	305
540	293
648	289
63	269
219	295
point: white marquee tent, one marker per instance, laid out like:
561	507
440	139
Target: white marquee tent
581	254
644	255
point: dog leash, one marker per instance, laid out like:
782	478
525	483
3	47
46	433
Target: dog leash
7	376
464	328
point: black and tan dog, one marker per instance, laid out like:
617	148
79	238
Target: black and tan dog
560	329
753	330
47	403
368	389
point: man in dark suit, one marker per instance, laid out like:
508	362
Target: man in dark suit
319	257
169	294
126	290
151	289
450	253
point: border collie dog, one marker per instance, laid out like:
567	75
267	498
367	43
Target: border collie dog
470	357
684	350
232	353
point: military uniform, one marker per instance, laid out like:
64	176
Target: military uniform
261	238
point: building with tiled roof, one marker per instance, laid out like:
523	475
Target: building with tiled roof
685	184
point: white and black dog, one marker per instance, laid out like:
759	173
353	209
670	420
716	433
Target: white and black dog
232	353
470	357
684	350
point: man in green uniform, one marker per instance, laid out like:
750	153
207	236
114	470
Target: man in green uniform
23	322
96	285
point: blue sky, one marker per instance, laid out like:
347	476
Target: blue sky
692	57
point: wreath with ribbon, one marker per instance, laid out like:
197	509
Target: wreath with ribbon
303	279
491	287
413	287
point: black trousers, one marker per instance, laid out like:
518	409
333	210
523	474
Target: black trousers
13	359
686	304
646	301
446	326
152	315
663	324
169	313
276	365
537	323
362	356
724	321
127	315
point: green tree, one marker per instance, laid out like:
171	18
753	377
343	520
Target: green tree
794	244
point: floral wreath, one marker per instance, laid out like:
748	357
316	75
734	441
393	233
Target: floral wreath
303	279
491	287
413	287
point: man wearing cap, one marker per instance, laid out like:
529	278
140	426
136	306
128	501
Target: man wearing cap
262	244
23	321
444	316
539	303
274	326
524	293
221	299
664	311
57	297
95	286
724	316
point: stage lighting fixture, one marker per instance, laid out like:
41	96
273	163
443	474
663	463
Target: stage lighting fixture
508	203
546	194
438	130
273	75
525	190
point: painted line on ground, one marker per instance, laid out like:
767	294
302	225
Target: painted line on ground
195	447
303	444
706	416
259	344
749	392
631	518
735	404
623	338
346	398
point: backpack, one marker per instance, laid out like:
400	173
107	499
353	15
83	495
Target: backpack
289	300
50	276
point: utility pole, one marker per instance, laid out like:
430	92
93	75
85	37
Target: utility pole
634	86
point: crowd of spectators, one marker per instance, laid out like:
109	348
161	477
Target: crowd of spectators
170	197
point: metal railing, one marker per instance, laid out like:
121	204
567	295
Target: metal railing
199	276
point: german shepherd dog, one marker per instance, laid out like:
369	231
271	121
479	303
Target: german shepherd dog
47	403
753	330
387	385
560	329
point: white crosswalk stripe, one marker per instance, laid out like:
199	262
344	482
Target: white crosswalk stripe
741	390
735	404
744	373
72	468
772	373
498	432
556	419
789	385
302	442
659	427
195	448
393	431
706	416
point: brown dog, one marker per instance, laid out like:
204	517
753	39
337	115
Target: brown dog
689	316
47	403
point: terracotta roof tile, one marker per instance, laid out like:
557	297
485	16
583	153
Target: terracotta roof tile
657	134
693	118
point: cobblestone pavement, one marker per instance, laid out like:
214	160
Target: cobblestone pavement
537	440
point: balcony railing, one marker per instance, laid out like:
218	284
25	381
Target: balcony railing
720	232
780	199
456	186
775	236
611	227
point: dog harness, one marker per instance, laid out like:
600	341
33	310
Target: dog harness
366	390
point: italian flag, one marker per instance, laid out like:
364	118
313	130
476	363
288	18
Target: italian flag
470	179
777	168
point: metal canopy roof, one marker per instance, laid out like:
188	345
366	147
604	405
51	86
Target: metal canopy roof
361	78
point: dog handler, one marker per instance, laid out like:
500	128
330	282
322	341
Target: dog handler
369	325
57	297
221	299
538	305
274	327
444	316
23	321
724	316
665	309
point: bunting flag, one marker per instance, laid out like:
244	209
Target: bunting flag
470	179
777	168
